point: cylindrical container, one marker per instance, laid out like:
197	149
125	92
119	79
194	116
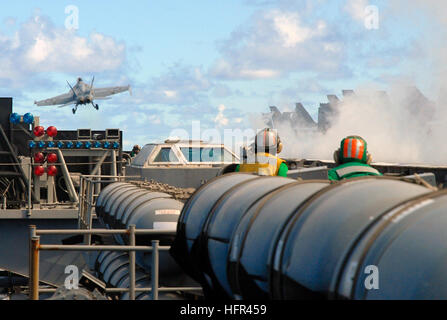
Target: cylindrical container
402	256
113	269
313	247
256	237
113	201
104	195
124	204
222	221
193	216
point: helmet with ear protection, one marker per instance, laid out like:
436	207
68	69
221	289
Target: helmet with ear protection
352	149
267	140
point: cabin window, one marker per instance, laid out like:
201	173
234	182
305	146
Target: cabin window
166	155
207	155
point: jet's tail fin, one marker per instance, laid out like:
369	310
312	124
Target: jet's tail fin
71	88
274	109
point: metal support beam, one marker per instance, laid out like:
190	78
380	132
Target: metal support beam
152	232
51	190
67	177
89	216
51	247
34	270
97	169
32	233
37	186
132	263
113	171
155	259
81	203
161	289
30	172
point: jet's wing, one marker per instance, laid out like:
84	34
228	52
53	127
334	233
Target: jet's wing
105	92
67	104
66	98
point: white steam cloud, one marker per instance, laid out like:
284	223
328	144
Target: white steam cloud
401	126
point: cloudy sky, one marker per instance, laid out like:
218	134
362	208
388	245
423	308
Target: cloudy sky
212	61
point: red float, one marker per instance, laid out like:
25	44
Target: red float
52	171
39	157
52	131
52	158
39	171
39	131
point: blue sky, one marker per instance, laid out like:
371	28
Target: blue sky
213	61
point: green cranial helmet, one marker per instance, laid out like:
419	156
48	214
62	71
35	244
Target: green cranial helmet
353	149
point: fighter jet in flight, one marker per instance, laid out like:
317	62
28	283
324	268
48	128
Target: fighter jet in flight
82	94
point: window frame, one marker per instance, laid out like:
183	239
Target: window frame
158	149
204	146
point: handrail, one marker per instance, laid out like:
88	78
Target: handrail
36	247
87	197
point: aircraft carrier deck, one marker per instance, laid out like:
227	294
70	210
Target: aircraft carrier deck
70	216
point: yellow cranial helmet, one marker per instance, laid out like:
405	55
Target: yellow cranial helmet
267	140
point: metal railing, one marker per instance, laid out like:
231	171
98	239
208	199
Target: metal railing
36	247
26	169
89	189
87	196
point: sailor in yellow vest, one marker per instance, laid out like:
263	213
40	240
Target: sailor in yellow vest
265	162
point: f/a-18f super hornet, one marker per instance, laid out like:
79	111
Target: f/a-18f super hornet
82	94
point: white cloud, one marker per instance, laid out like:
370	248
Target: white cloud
276	42
222	90
179	85
224	70
289	27
154	119
9	21
220	119
37	46
170	93
227	117
356	8
142	119
118	120
258	74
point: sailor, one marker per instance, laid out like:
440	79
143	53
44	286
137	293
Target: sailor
264	161
136	149
352	160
